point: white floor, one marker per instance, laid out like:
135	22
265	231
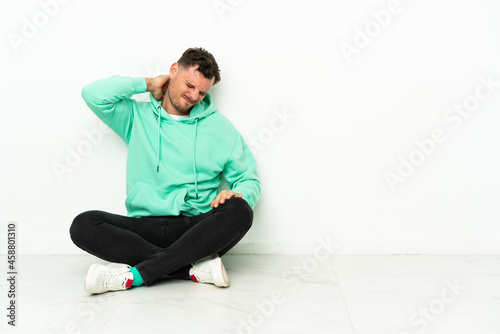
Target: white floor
344	294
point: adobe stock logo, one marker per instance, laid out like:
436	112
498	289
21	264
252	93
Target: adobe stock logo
363	37
297	275
31	27
266	135
223	6
428	146
75	154
426	315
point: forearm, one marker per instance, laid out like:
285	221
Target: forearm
250	189
110	100
241	172
104	93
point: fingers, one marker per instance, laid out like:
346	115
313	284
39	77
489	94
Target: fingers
163	80
165	85
159	86
220	199
223	196
164	89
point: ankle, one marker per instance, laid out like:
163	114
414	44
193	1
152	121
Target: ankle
138	281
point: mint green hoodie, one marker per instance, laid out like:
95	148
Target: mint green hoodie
174	167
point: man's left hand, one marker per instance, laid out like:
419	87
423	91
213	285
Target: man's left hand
223	196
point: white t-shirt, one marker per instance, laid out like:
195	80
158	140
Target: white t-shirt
178	117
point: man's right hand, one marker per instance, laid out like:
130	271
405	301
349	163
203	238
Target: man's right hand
158	86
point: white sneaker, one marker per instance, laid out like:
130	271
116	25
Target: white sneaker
113	277
210	270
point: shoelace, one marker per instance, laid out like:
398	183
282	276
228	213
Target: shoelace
203	272
115	279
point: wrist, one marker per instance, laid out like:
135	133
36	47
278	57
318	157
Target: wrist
149	84
138	85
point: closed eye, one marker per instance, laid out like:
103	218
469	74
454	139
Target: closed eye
202	93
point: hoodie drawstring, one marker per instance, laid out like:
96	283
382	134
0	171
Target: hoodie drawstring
159	136
194	149
194	156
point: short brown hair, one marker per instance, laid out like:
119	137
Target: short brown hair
205	61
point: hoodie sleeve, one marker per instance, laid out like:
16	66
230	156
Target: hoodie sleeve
110	100
241	172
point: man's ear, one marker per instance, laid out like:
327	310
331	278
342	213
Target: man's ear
174	69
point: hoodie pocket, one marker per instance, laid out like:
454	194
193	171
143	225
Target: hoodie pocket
147	200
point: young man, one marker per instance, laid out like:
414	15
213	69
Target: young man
178	150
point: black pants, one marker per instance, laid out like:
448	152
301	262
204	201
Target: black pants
162	245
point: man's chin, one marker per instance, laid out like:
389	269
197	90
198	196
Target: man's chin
184	111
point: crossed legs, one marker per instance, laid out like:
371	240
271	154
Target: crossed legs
162	245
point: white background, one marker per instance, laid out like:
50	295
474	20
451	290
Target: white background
345	121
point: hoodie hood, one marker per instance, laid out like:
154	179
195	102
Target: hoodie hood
202	109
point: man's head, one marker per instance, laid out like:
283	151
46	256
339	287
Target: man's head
190	79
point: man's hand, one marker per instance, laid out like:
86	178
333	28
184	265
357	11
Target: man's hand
223	196
158	86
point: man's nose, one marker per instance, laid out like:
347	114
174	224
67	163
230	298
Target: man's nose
193	95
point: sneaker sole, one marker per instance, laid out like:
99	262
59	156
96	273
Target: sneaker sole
90	278
223	277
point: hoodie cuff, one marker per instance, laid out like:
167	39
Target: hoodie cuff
243	192
139	85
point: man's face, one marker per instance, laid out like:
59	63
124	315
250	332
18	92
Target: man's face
186	88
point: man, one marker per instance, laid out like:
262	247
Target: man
178	150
